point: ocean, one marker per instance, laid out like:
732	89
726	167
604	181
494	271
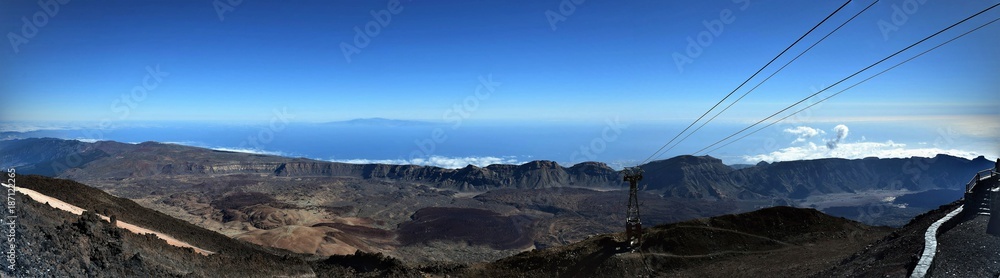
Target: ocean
618	144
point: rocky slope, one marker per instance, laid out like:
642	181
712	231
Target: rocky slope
894	255
55	243
772	242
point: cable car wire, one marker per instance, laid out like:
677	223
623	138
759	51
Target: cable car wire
856	84
850	76
744	83
772	75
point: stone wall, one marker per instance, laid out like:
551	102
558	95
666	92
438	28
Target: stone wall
994	226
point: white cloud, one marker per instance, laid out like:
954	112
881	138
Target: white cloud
887	149
371	161
253	151
25	127
186	143
838	147
803	133
438	161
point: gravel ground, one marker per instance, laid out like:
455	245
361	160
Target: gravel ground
967	251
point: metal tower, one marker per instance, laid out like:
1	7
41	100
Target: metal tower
633	226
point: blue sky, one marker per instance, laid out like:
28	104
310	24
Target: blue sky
600	60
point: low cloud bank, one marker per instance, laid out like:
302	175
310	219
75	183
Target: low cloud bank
805	147
438	161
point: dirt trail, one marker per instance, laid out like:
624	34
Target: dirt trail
736	232
709	255
59	204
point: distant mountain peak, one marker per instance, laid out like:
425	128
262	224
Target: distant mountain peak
689	159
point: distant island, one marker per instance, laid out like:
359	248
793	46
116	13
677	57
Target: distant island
382	122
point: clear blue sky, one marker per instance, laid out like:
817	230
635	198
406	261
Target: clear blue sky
606	59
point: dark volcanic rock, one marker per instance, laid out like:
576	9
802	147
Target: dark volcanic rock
895	255
707	177
835	175
473	226
362	264
691	177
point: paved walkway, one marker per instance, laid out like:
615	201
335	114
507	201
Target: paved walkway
928	256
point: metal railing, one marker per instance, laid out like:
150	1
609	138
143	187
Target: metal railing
981	175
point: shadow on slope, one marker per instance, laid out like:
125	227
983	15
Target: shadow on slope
804	240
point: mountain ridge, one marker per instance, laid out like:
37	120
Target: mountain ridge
685	176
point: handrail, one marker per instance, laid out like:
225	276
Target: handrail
979	176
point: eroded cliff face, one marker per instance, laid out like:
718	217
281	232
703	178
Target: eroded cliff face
707	177
536	174
116	161
798	179
685	176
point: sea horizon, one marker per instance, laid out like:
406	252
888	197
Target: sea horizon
617	144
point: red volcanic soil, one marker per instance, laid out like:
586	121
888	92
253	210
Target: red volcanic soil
473	226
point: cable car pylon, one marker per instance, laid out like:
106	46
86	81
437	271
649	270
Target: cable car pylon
633	225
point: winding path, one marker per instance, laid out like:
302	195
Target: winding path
59	204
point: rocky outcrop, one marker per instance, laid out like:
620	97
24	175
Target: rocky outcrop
707	177
691	177
798	179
